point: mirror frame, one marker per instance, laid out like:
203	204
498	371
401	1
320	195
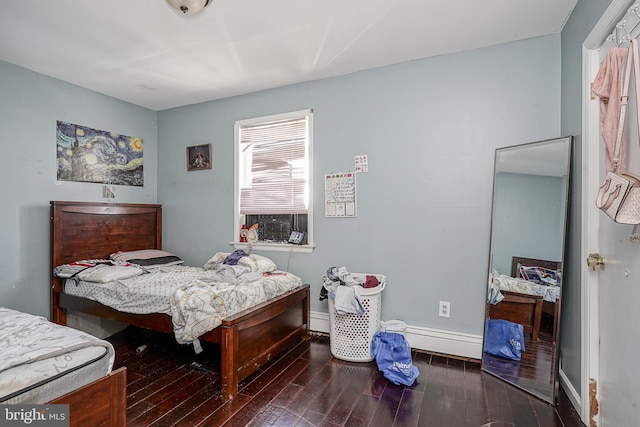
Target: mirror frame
568	140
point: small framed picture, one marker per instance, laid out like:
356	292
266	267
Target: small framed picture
199	157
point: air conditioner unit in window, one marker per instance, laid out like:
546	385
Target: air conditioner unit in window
278	228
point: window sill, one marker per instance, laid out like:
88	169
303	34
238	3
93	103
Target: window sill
276	247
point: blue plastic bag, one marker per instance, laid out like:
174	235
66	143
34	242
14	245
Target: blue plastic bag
393	356
504	339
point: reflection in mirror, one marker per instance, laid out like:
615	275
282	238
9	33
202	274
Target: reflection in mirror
528	227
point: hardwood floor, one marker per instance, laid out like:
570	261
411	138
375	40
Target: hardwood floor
168	385
534	371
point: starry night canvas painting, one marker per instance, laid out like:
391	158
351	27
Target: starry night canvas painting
90	155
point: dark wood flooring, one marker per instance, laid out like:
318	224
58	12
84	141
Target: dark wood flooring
168	385
534	371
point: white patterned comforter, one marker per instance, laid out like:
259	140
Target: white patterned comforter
195	298
202	305
507	283
33	350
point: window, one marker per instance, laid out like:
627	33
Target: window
273	175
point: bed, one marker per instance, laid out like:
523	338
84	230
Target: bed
527	298
248	339
550	302
42	362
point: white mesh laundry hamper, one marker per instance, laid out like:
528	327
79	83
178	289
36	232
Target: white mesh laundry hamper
351	334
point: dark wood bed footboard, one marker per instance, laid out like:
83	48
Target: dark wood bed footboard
253	337
100	403
248	339
520	308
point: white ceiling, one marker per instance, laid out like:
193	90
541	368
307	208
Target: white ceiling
146	53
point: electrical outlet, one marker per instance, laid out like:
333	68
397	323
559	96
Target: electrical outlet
444	309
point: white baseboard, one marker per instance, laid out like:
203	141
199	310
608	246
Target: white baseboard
319	322
421	338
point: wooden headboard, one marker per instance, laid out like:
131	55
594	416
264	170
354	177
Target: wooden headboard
85	230
532	262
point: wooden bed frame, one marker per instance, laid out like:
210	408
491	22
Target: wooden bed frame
524	308
248	340
100	403
519	308
550	308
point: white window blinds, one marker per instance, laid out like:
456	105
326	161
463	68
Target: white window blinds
274	167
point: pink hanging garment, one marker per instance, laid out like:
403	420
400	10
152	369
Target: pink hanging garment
607	86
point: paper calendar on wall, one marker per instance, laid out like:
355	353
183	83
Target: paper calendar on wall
340	195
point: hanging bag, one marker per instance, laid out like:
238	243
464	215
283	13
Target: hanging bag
619	194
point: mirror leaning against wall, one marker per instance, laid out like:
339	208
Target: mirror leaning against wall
524	293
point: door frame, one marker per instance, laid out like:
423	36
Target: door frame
591	149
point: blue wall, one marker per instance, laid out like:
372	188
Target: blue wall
521	226
429	128
30	105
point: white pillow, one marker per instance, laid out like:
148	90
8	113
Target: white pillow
257	263
248	262
215	260
263	264
147	258
109	273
